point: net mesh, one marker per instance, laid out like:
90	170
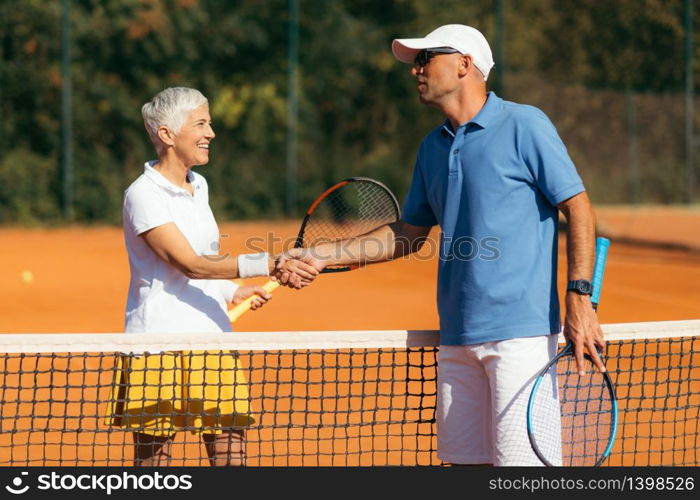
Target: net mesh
316	398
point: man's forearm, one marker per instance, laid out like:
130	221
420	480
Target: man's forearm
580	238
388	242
373	247
581	325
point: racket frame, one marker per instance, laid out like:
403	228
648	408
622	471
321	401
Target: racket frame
238	310
300	236
568	350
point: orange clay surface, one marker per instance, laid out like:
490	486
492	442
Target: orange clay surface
75	280
79	279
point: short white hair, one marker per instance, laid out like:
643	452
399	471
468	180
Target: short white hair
170	108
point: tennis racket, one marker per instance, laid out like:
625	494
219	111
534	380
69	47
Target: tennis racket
572	418
350	208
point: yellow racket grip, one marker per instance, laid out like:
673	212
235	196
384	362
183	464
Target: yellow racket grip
240	309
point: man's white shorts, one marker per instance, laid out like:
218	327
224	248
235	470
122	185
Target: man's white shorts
483	391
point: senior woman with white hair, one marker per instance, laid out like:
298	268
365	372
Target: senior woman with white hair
179	283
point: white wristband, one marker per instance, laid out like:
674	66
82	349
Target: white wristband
253	264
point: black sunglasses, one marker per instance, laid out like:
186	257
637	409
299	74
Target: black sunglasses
424	56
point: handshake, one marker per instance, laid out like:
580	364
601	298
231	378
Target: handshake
295	268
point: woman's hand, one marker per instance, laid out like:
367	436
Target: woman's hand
243	292
296	268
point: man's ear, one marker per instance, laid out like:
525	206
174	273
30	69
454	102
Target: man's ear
465	65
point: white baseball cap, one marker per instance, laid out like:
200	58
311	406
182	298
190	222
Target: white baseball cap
465	39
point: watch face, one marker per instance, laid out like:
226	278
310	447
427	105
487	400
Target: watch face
581	286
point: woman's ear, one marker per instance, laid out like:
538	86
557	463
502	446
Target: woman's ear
166	135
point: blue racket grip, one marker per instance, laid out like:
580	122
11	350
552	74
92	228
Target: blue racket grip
601	255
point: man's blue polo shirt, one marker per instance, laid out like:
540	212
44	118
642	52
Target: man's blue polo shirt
493	186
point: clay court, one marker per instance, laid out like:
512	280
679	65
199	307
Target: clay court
79	279
74	280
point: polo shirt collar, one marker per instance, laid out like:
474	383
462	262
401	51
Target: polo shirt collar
161	181
485	115
488	110
447	128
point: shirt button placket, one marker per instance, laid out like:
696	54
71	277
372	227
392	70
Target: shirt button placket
454	156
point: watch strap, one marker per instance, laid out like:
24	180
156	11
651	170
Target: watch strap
583	287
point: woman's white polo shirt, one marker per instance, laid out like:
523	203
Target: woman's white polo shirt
161	298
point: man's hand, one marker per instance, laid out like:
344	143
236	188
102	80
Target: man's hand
243	292
581	327
295	268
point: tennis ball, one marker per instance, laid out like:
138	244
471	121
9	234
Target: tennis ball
27	276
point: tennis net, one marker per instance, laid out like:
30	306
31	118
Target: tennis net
302	398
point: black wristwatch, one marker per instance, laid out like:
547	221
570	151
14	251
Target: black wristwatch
582	287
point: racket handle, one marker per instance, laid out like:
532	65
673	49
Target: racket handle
601	255
240	309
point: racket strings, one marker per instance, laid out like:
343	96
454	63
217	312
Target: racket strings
351	210
572	415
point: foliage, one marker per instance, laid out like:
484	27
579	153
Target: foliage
358	112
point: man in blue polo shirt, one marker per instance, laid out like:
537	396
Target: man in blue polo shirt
494	176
